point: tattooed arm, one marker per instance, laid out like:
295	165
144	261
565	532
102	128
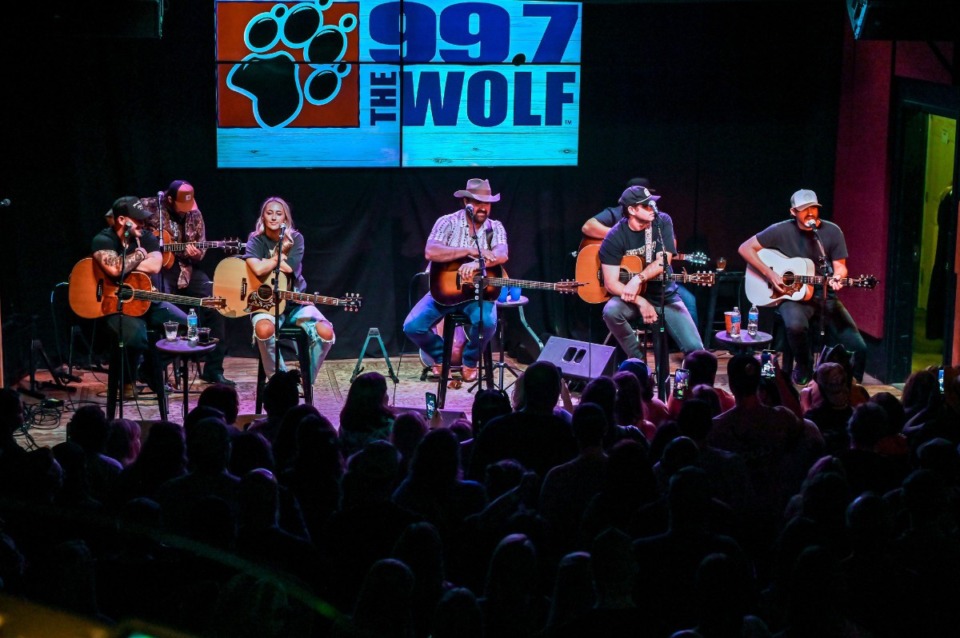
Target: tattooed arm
137	260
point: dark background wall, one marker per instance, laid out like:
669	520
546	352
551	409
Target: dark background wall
727	107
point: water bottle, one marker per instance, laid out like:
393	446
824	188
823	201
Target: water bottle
192	325
735	322
753	316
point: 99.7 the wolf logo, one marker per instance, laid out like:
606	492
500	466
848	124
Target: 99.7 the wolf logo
289	57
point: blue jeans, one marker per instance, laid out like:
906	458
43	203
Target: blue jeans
419	323
619	315
690	301
306	316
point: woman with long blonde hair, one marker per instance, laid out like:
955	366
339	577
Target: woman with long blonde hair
264	248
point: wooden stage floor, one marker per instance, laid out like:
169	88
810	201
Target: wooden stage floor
47	426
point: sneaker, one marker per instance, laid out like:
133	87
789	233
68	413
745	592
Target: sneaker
468	373
436	369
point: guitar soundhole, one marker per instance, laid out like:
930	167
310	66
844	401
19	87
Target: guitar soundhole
265	292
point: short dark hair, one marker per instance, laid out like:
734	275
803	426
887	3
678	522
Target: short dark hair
702	365
743	373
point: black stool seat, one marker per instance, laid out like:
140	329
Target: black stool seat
302	340
450	324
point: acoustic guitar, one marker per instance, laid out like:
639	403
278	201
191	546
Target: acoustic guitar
172	248
245	293
590	271
695	259
448	288
799	276
93	293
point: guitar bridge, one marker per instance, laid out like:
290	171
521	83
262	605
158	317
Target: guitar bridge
243	288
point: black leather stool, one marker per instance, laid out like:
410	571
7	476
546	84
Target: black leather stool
115	392
450	324
301	340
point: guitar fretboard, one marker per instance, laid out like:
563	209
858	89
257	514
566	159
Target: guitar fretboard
311	298
522	283
150	295
201	245
816	280
626	276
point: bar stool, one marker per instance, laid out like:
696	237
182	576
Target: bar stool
301	343
114	392
450	324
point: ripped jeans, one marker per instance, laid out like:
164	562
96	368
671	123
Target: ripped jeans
306	317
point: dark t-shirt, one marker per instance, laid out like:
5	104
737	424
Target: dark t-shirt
610	215
787	237
262	247
622	239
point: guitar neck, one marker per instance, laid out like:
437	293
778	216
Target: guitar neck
501	282
305	297
200	245
817	280
626	276
152	295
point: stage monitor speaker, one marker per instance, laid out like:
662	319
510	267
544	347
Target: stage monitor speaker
447	417
904	19
578	359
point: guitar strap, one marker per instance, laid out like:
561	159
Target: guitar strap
647	251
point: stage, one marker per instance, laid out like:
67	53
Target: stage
51	414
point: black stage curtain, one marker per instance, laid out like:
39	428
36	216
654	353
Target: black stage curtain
727	107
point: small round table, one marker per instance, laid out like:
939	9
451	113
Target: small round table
187	352
744	344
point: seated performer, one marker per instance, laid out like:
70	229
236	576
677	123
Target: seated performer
644	232
597	227
262	254
795	238
454	238
184	222
121	248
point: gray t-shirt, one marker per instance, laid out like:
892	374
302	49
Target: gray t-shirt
790	240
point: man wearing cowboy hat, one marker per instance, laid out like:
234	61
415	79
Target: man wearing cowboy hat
455	237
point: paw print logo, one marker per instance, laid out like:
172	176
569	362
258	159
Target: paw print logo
294	63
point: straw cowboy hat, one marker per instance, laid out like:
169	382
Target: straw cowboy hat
478	189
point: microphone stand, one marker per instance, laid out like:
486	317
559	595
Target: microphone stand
663	352
826	271
276	303
121	347
478	297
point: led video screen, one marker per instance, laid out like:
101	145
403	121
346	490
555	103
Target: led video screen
377	83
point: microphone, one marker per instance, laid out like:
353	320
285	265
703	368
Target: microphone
811	223
4	202
469	209
283	230
653	205
127	227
